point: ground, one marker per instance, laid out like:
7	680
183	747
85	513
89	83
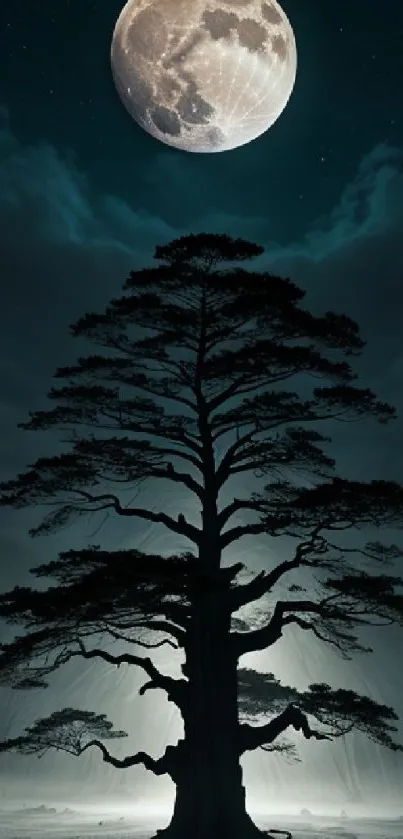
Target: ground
70	825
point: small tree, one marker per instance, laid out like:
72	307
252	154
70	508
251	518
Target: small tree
219	344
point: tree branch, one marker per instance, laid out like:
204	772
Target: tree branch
195	461
230	509
264	582
155	766
181	526
236	533
223	471
125	658
343	642
234	389
183	478
153	625
252	737
266	636
147	645
175	688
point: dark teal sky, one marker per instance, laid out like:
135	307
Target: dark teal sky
55	80
85	195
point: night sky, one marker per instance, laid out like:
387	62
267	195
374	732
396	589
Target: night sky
85	195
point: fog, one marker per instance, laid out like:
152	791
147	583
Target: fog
106	824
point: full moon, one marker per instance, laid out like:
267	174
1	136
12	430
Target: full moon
204	75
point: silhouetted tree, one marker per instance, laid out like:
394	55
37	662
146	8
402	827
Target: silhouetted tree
217	342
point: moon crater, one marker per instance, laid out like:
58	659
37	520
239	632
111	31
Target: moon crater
200	76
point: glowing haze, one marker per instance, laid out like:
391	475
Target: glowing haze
204	75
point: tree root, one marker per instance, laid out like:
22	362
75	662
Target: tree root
285	833
167	832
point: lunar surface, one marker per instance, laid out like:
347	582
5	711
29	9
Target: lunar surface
204	75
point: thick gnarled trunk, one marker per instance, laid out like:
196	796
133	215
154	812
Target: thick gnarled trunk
210	796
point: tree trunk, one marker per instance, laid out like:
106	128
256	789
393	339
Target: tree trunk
210	796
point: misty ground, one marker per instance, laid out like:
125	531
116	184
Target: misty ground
71	824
